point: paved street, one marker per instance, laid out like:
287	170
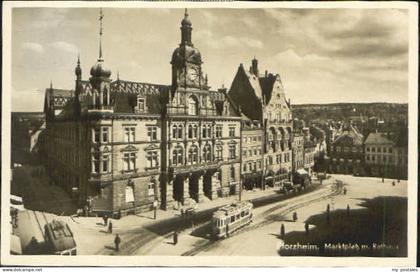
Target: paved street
142	235
261	237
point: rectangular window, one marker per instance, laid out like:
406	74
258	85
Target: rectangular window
389	149
244	153
151	133
373	149
95	163
152	159
129	161
97	135
151	189
231	132
219	131
129	134
105	134
232	152
259	165
255	166
141	104
244	168
105	163
367	149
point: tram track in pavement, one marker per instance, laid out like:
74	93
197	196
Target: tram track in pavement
208	244
134	239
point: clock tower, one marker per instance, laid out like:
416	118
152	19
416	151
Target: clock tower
186	61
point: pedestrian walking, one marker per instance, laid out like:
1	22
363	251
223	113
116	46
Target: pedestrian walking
175	237
117	242
110	227
295	216
345	191
393	183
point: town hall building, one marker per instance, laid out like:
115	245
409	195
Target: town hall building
122	147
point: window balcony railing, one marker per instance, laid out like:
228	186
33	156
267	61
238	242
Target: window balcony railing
100	107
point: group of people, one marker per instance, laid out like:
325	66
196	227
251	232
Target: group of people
106	218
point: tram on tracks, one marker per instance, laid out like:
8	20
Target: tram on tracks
59	238
230	218
41	234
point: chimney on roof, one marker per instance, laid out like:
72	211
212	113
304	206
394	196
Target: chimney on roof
255	66
222	90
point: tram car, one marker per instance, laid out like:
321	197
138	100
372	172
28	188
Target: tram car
59	238
42	234
230	218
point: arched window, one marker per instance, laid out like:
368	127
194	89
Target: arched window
207	153
180	132
219	153
193	154
204	134
174	131
190	132
192	106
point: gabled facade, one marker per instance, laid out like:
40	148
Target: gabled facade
261	97
346	155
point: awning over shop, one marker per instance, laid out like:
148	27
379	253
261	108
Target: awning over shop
302	172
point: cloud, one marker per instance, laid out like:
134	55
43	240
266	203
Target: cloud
64	46
33	47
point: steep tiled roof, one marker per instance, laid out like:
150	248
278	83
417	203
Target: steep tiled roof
350	135
255	83
267	84
124	95
378	138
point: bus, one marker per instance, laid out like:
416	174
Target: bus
230	218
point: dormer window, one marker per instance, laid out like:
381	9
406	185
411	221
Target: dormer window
141	104
192	106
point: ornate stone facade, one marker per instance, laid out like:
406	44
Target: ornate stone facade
121	146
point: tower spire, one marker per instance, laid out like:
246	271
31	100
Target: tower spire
101	16
186	28
78	70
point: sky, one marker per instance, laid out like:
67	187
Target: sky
322	55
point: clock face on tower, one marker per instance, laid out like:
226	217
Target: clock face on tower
192	74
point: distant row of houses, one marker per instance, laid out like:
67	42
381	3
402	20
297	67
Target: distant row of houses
377	154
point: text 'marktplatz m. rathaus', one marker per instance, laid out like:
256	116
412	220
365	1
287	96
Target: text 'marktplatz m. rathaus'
119	146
